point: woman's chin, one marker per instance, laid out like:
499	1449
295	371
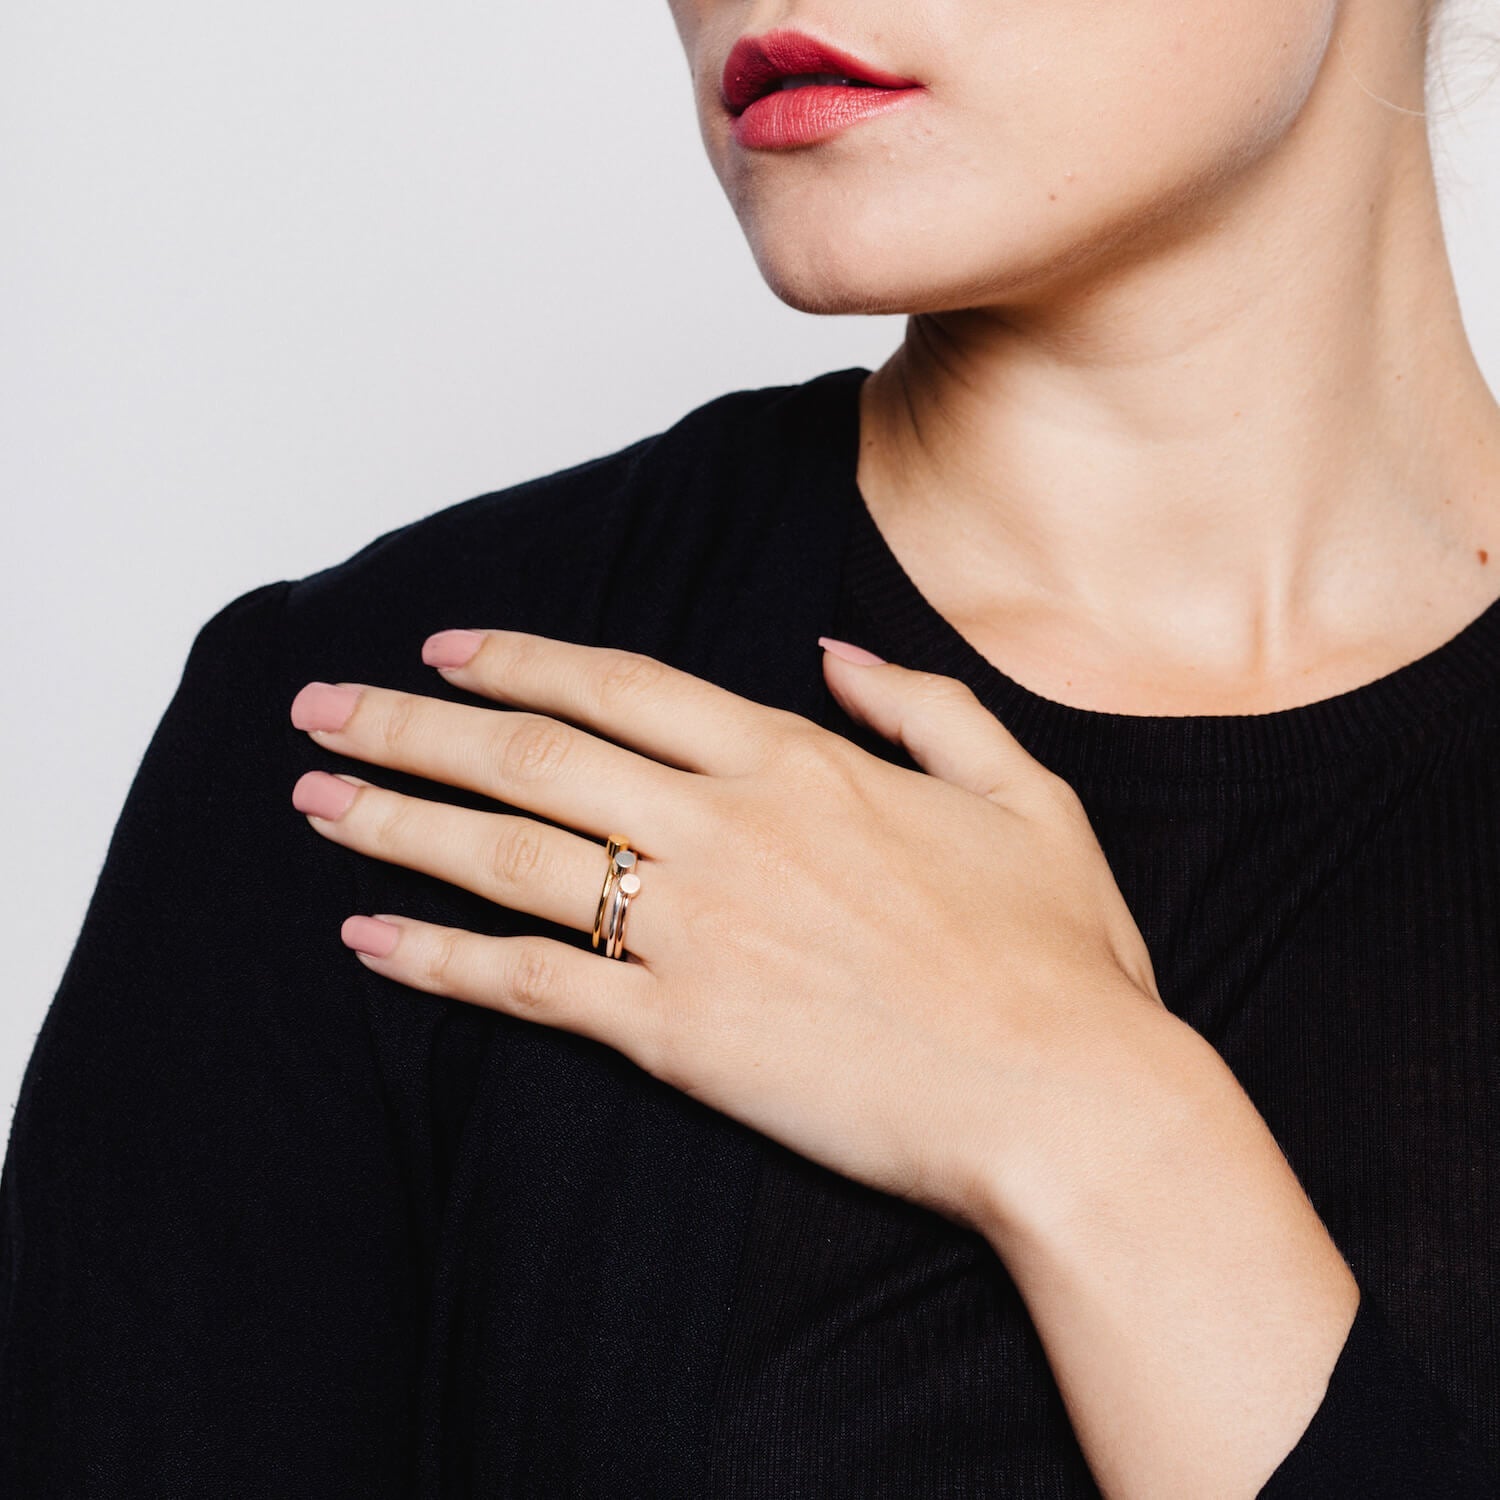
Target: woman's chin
882	276
847	284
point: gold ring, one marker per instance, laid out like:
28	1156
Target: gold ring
628	884
613	848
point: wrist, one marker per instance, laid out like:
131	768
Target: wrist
1114	1106
1172	1263
1149	1124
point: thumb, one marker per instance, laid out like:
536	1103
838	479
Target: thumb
937	720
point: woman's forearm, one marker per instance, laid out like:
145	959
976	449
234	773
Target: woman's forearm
1190	1301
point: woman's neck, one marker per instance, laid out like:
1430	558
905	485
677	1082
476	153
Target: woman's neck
1251	464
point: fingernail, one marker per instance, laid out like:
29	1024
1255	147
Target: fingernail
848	652
321	705
322	795
451	648
370	935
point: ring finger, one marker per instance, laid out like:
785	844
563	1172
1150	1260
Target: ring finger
512	860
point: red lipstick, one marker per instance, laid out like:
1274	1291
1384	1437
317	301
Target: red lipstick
832	91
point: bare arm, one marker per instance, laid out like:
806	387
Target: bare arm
1190	1301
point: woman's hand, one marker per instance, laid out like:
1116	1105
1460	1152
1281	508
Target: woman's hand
927	982
906	977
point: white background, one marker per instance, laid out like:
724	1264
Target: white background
276	278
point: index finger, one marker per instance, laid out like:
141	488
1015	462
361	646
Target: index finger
660	710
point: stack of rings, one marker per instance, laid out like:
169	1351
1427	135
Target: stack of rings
620	884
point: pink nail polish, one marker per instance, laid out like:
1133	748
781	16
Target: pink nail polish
370	935
451	648
848	652
322	795
321	705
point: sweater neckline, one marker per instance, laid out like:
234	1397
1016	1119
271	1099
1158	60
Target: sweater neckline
1079	743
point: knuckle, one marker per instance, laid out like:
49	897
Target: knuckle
779	722
628	674
398	725
532	978
776	737
391	824
506	657
946	692
516	856
440	961
509	651
535	749
806	753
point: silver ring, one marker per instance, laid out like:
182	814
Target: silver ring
621	882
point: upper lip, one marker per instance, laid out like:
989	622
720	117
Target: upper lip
756	64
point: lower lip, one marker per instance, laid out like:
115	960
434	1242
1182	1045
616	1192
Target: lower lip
800	117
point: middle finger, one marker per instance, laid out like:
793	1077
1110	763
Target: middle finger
520	758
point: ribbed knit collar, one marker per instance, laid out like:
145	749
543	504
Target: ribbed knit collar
1374	719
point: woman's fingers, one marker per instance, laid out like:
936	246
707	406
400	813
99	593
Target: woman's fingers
660	710
940	724
536	978
511	860
522	759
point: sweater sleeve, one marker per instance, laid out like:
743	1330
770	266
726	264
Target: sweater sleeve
203	1237
1382	1432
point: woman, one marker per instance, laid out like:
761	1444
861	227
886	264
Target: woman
1056	1047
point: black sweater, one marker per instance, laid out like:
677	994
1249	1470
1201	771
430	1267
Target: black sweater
276	1226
